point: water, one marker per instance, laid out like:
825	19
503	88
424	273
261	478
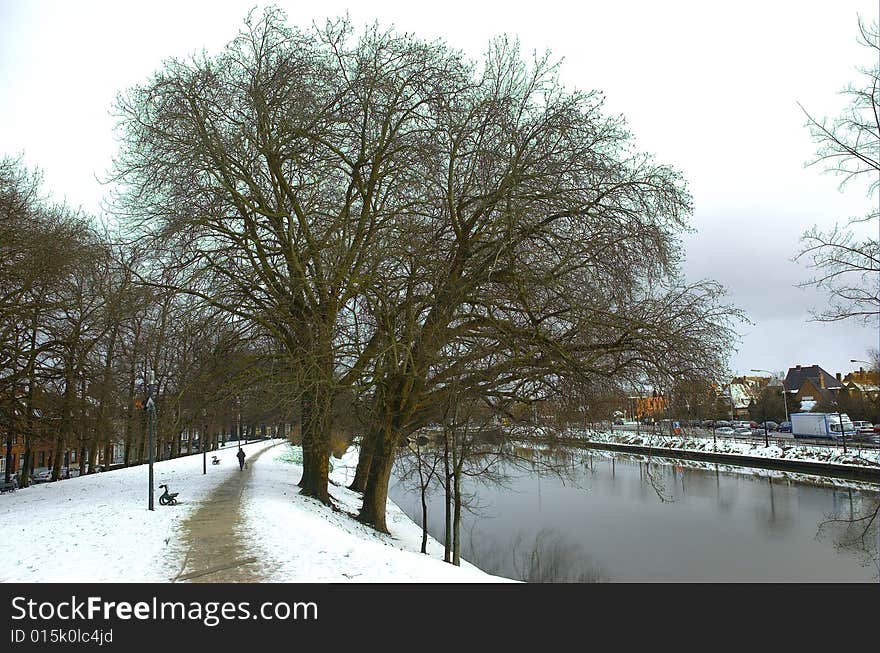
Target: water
616	517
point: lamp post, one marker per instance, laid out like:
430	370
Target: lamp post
151	412
203	439
238	406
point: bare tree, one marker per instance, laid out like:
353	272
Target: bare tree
846	259
544	252
262	176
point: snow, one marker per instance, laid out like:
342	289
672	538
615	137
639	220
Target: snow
808	479
97	528
300	540
795	451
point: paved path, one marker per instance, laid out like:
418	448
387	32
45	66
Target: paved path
215	554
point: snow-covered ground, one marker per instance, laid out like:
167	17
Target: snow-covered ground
97	528
794	451
300	540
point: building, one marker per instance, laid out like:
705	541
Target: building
653	405
42	450
811	385
865	382
741	392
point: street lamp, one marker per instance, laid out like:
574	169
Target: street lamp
238	406
202	439
151	411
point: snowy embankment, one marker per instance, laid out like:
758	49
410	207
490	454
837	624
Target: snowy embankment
855	456
297	539
97	528
740	470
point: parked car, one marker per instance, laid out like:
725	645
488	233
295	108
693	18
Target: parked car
742	430
724	430
753	425
708	423
785	427
863	427
42	476
722	423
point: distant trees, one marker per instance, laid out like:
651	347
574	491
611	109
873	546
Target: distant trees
846	258
768	404
696	398
50	260
77	331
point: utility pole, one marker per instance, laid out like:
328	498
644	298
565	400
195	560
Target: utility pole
151	412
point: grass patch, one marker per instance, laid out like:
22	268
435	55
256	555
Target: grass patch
294	456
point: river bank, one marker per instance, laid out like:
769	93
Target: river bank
862	465
579	513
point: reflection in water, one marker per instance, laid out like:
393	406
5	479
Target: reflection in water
574	515
549	557
852	525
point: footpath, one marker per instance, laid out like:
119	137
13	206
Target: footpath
215	551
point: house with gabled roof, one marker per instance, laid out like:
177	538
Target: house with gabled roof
810	385
863	381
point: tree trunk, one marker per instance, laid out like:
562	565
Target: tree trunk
316	419
82	458
93	458
447	491
423	487
8	475
27	465
456	495
365	457
29	405
64	427
376	491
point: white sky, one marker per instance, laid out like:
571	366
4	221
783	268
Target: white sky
709	87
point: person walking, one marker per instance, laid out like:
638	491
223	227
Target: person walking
240	455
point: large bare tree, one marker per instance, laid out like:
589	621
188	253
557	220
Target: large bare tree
544	250
261	178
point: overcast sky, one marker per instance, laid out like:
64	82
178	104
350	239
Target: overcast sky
712	88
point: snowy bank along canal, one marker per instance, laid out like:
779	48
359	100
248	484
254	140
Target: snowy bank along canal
573	514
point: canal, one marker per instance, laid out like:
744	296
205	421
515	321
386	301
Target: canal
581	515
